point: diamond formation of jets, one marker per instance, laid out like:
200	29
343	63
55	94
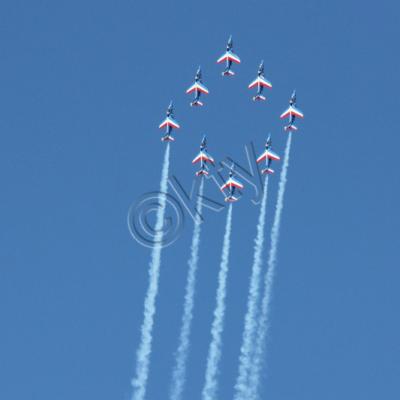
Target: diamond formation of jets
260	83
268	156
197	88
228	57
232	185
203	158
292	113
169	124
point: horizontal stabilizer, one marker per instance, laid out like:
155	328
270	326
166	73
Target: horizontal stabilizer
231	199
259	97
289	128
267	171
228	72
168	138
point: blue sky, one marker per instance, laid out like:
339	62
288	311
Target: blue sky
83	87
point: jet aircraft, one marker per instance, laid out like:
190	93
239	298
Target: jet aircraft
203	158
268	156
260	82
229	56
231	184
169	124
292	112
197	88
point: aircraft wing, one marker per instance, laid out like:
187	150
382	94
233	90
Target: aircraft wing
197	86
208	158
268	154
203	156
197	158
260	81
236	184
169	122
263	156
224	186
292	111
273	156
232	183
229	56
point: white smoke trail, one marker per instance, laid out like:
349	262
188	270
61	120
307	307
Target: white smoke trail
144	350
250	325
264	323
179	372
214	351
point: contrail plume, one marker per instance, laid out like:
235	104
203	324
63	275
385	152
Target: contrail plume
250	324
179	372
214	351
264	320
139	382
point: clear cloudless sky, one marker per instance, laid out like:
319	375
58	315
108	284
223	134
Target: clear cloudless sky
83	87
